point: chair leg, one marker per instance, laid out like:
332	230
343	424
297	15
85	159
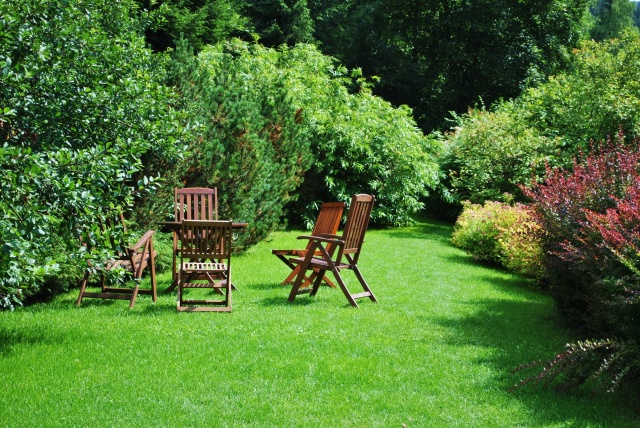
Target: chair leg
154	289
300	278
343	287
308	279
325	278
229	290
178	280
134	295
364	284
83	287
316	283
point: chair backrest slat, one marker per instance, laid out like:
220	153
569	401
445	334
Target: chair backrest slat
196	203
206	239
357	224
328	219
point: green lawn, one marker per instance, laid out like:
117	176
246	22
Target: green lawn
436	351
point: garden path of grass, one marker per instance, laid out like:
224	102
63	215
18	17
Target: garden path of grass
435	352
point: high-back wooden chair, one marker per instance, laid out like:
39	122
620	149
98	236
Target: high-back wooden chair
205	263
196	203
327	222
193	203
338	253
135	259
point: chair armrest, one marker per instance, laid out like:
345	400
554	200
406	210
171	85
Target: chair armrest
323	238
296	253
142	241
330	236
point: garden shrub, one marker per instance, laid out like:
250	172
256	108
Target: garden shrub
280	130
576	257
500	233
244	130
600	364
490	153
599	95
359	142
591	239
81	104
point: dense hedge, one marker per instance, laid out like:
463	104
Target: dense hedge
80	106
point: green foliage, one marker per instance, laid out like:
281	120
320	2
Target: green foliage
79	107
488	154
597	98
201	22
269	119
360	143
612	18
492	152
500	233
280	22
244	136
442	56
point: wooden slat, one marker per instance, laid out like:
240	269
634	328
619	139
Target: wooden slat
204	309
361	295
203	285
118	296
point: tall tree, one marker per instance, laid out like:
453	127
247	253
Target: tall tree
201	22
446	55
612	17
281	21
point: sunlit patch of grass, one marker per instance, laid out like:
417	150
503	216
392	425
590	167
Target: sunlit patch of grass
435	351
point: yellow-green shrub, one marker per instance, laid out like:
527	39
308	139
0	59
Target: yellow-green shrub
500	233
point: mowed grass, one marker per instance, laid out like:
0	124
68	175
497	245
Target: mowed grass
436	351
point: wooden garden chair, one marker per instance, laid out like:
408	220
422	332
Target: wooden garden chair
192	203
205	263
134	259
343	255
327	222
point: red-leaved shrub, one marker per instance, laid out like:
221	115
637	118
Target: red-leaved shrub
591	222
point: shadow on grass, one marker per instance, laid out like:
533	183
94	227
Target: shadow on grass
303	300
469	260
432	230
158	308
512	333
88	302
270	286
29	335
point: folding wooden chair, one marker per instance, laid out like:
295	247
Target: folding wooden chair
327	222
135	259
205	263
344	255
192	203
